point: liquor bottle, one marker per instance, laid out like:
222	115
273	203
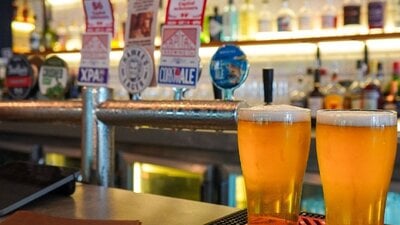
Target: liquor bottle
376	14
35	38
247	21
215	26
49	36
392	90
285	18
205	35
315	100
230	22
352	13
265	17
329	15
298	96
334	96
357	86
25	11
160	21
305	16
371	94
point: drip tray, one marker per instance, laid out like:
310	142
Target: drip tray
240	218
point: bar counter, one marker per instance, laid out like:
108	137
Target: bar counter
95	202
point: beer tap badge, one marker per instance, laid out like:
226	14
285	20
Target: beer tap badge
229	67
136	69
19	77
53	78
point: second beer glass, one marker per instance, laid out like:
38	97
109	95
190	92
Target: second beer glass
356	152
274	142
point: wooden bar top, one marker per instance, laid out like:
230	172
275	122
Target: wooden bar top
95	202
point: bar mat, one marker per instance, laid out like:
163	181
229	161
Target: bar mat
240	218
29	218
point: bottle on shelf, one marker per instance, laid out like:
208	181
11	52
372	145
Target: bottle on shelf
357	86
392	90
160	21
376	14
352	14
247	21
334	96
25	11
35	38
329	15
230	22
265	23
215	25
298	96
205	35
372	97
305	16
49	36
396	13
285	18
315	99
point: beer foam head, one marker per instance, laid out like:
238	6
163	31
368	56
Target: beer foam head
278	113
357	118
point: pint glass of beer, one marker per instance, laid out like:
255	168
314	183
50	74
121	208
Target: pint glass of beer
274	142
356	152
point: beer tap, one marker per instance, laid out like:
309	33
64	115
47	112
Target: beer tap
268	79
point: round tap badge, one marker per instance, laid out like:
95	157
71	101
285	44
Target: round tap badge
19	77
136	69
53	78
229	67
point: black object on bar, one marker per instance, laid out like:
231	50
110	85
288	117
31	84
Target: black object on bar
240	218
268	79
217	92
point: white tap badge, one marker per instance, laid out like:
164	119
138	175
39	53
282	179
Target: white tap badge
95	60
99	16
136	69
179	62
141	27
185	12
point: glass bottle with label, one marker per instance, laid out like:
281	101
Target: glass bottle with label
215	25
357	86
334	97
315	100
305	16
298	96
352	13
286	17
376	14
265	17
230	22
35	38
247	21
392	89
371	94
329	15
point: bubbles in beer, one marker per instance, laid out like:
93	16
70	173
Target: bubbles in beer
357	118
276	113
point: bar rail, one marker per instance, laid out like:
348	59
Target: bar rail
98	116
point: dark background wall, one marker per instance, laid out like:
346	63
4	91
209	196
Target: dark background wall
6	15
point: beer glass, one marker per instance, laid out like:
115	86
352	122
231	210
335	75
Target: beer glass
356	152
274	142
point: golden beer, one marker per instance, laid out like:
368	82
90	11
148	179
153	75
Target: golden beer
356	152
274	144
